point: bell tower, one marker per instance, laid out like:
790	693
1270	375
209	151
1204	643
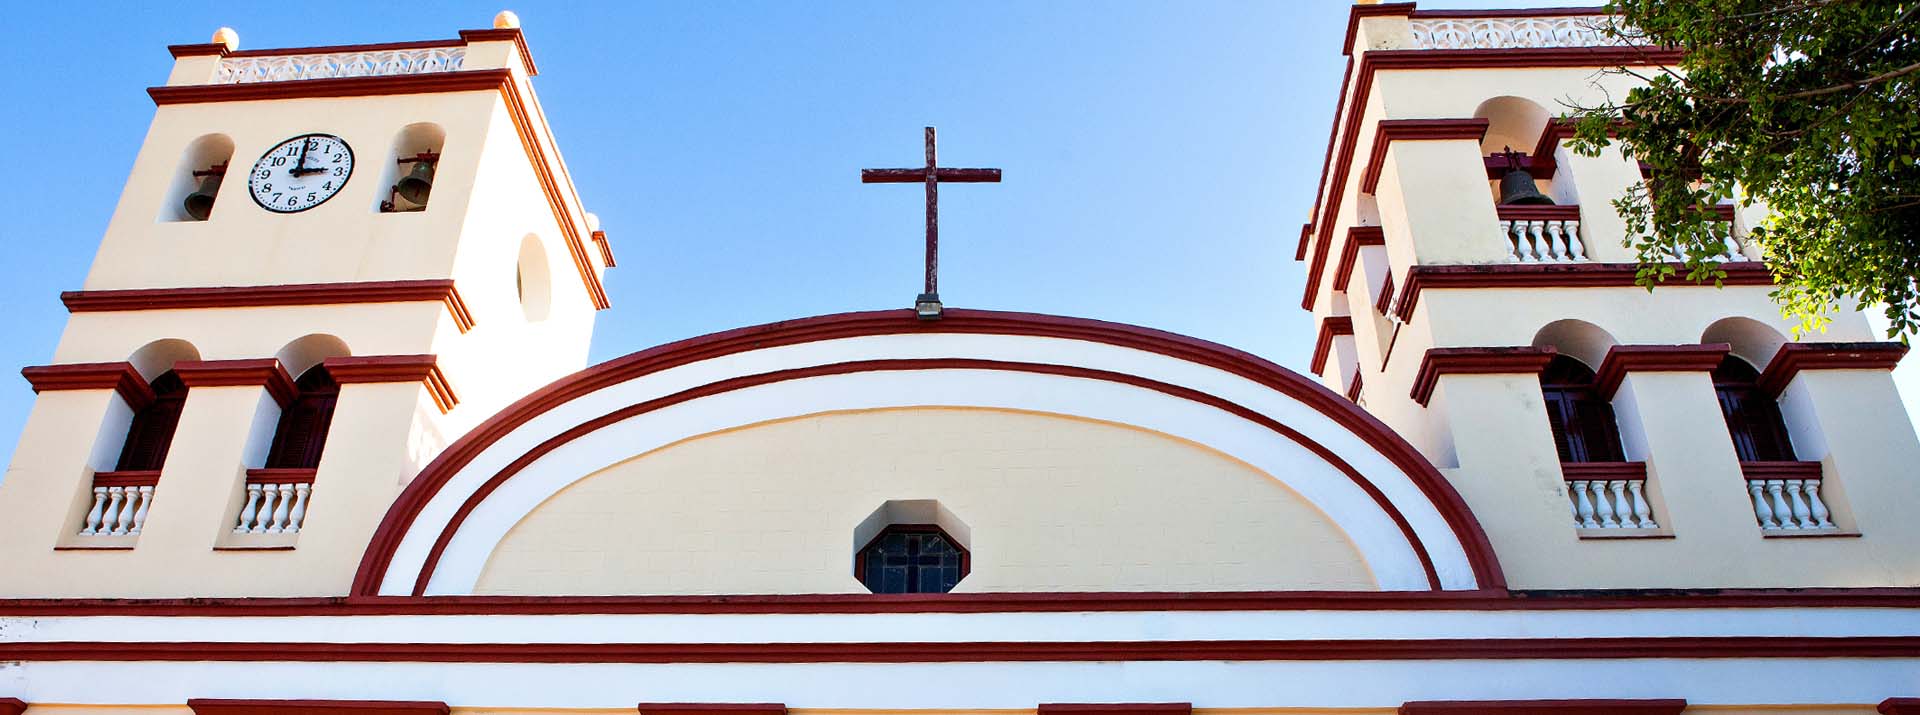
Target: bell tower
327	264
1471	289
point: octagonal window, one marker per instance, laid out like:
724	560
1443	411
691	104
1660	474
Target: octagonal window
911	558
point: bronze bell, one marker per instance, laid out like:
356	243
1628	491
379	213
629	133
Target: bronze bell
417	184
199	204
1517	187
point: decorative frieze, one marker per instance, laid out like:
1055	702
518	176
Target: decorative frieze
1482	33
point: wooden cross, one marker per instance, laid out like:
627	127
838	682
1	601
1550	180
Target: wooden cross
931	175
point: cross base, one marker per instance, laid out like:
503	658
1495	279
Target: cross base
927	306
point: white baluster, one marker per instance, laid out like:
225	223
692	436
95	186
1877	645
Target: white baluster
1620	506
299	514
1583	506
1542	248
115	496
1801	514
285	492
1513	250
140	517
1575	249
266	510
1781	510
1820	514
1761	510
1603	506
247	512
94	514
1556	237
1641	509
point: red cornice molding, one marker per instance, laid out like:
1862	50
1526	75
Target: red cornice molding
1402	9
117	376
102	301
1330	190
1323	345
511	34
1115	709
127	478
1538	213
395	368
1554	275
1545	707
15	706
1475	361
1622	359
259	372
969	652
713	709
1388	131
1433	486
1357	237
1759	471
282	475
499	80
210	706
1603	471
1899	706
1354	389
606	250
205	48
1015	602
1794	357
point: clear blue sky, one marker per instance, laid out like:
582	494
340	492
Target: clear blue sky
1159	156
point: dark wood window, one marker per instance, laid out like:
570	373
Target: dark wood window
1753	416
303	423
911	558
152	429
1583	426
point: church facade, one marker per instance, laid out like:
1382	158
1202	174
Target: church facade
359	463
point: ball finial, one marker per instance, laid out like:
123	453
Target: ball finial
506	20
593	221
226	36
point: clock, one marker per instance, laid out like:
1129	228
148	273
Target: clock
301	173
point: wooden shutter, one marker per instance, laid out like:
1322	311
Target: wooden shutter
302	432
151	432
1753	417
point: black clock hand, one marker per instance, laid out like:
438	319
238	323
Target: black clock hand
301	164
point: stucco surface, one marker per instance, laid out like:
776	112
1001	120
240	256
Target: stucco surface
1053	504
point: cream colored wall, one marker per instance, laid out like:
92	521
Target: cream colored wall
1054	504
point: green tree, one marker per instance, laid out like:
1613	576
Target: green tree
1809	107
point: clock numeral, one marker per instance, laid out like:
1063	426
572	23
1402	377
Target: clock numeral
266	187
339	171
337	157
279	161
276	197
310	196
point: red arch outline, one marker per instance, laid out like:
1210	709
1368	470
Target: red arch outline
400	517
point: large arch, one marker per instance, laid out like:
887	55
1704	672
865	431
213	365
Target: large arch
1409	524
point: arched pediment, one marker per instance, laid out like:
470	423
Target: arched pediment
1407	524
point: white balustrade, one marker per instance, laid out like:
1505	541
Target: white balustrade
1610	504
381	63
118	510
1531	240
1470	33
274	508
1781	505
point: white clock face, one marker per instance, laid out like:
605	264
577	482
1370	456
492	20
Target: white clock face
301	173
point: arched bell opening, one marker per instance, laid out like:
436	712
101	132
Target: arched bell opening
195	185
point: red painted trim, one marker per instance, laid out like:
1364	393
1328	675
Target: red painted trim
606	250
1382	304
98	301
117	376
1622	359
395	368
1537	213
1359	11
1017	602
487	488
1475	361
1556	131
1330	327
281	476
15	706
197	50
1357	237
1331	189
511	34
1671	706
1433	486
1557	275
262	372
1326	162
966	652
128	478
1388	131
1536	167
1899	706
1760	471
210	706
713	709
1794	357
1354	387
1115	709
499	80
1604	471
